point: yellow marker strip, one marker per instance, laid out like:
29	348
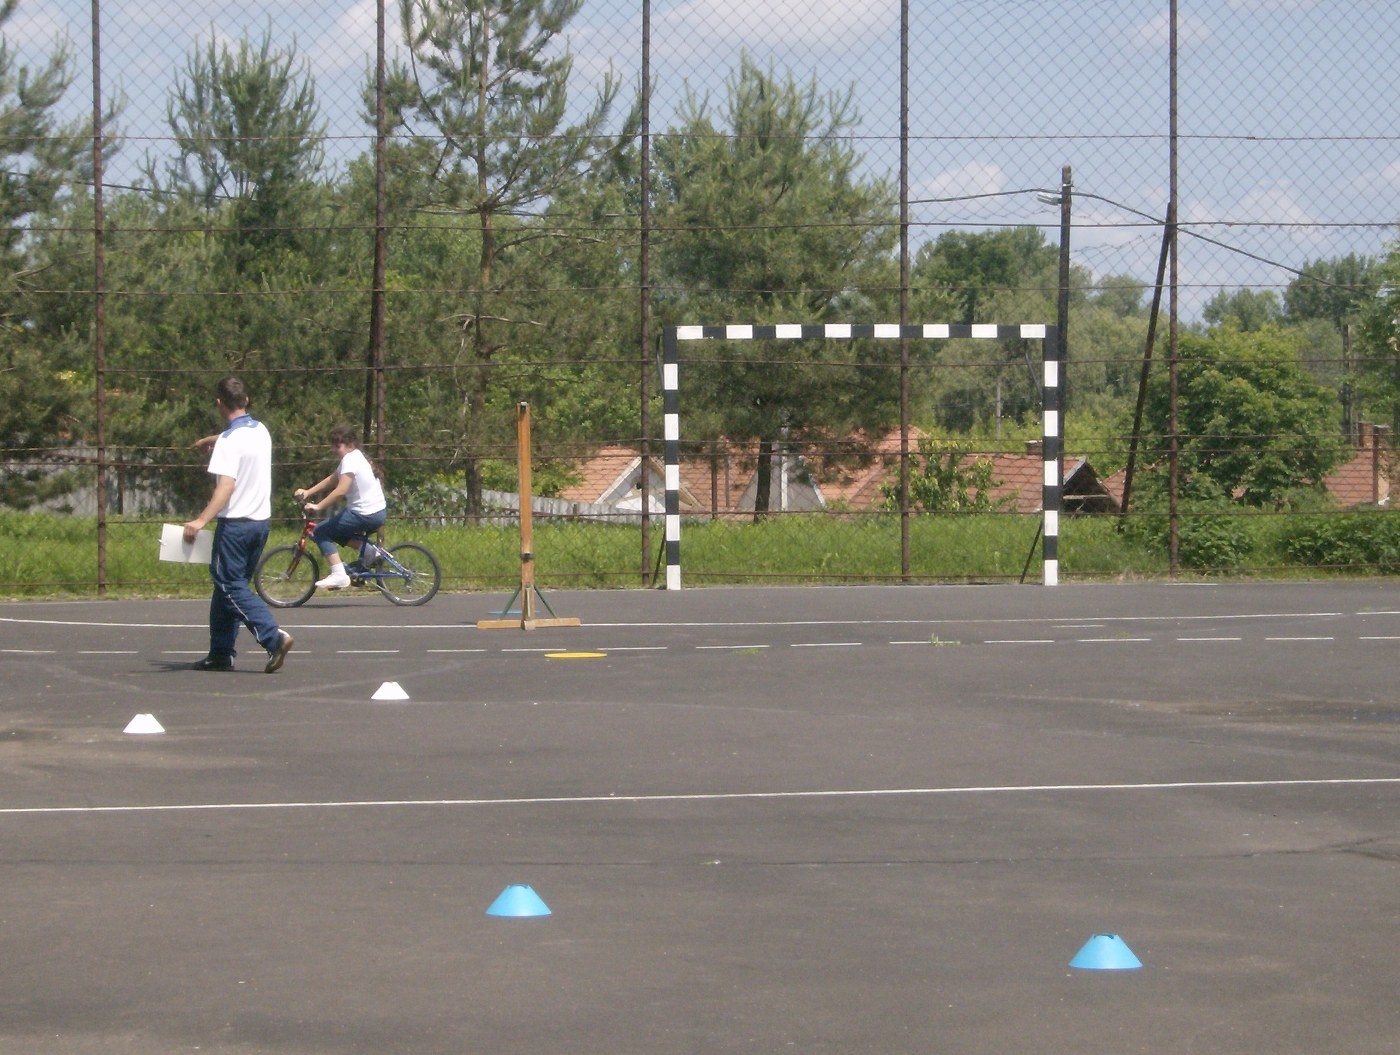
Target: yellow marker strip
575	655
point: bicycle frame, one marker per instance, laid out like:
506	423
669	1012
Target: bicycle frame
387	568
286	574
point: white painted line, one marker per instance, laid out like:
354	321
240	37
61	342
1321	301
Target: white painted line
1391	637
1299	639
708	648
455	650
367	651
825	644
1210	639
107	652
1020	641
1048	620
719	796
1112	640
529	650
1052	620
633	648
925	641
26	651
1078	626
301	626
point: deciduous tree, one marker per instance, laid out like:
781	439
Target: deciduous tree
1252	423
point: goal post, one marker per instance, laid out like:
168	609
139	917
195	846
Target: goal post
1051	423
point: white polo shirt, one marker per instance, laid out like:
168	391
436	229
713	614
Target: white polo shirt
365	495
244	452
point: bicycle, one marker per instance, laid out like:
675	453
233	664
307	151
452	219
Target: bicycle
408	574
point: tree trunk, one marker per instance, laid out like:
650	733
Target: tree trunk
763	478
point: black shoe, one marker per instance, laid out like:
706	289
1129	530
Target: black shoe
212	662
278	652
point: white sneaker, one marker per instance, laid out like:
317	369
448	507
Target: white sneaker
336	580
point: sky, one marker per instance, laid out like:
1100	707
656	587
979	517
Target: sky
1289	123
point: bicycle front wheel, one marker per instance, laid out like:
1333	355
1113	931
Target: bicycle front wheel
410	575
286	576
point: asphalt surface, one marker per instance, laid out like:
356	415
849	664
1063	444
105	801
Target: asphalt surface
849	820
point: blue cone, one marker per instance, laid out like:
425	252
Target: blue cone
1106	952
519	901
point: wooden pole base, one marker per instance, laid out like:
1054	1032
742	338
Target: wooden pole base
524	624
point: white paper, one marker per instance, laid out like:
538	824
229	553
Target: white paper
174	547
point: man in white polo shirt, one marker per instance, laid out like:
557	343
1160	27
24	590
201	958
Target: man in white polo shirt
241	463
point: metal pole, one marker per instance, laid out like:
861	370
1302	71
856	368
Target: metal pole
99	317
904	289
670	394
644	269
1062	305
1141	404
1173	319
1052	455
374	380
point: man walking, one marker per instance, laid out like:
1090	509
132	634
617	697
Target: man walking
241	463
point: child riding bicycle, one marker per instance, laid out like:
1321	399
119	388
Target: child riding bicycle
365	506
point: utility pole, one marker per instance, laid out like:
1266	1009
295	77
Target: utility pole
1062	306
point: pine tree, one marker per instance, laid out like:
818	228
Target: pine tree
486	87
764	217
43	164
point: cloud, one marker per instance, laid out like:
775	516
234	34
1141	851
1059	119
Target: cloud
1271	203
1383	180
1273	5
349	44
974	178
776	21
34	37
1156	33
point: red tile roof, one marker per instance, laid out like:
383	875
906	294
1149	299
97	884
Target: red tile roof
845	481
601	472
1364	480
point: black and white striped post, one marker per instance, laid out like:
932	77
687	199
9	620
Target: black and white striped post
671	411
1052	445
1050	418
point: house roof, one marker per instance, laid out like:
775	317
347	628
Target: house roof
602	473
613	474
1362	480
857	486
1018	478
841	479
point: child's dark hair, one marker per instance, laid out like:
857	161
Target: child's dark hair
346	435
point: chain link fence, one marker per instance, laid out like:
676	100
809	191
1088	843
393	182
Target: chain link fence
412	217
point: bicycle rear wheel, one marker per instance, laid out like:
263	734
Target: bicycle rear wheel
410	574
286	576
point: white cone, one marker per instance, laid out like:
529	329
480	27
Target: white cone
390	690
144	723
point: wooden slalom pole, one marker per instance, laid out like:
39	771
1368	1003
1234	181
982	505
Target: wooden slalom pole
527	591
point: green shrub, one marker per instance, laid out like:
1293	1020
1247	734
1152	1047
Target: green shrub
1362	539
1211	536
